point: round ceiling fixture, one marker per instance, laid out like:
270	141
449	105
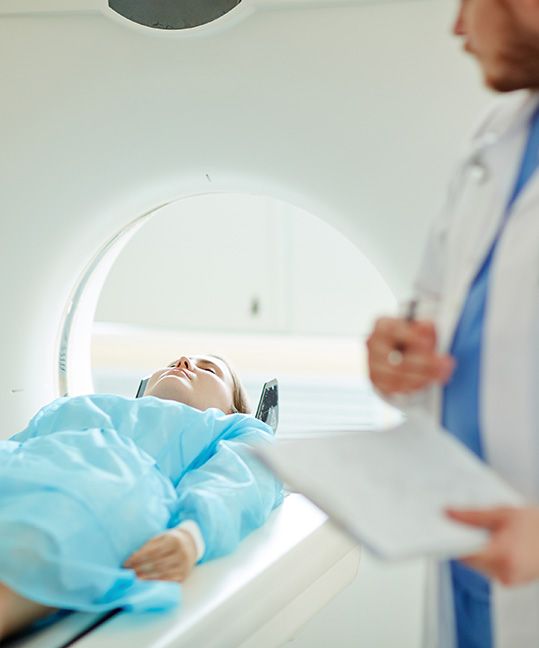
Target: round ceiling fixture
173	14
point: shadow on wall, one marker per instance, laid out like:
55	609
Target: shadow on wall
171	14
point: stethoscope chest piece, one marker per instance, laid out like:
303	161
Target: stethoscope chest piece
477	167
478	171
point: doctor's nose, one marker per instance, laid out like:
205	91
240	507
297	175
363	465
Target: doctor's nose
459	28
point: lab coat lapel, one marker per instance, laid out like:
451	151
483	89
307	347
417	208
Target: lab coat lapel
480	208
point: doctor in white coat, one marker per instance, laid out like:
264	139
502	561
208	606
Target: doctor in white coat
481	352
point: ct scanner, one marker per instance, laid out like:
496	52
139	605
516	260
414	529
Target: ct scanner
103	121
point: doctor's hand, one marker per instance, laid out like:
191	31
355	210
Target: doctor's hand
168	556
512	554
403	357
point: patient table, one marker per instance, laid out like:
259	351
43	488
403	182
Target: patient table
257	597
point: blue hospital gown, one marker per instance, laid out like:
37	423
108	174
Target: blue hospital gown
92	478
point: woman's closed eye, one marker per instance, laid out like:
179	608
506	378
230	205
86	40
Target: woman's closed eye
210	369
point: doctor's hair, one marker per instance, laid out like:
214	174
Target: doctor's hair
240	401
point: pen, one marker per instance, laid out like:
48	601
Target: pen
394	357
411	310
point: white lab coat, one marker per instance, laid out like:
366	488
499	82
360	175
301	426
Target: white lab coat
510	363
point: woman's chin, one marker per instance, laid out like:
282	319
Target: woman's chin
170	390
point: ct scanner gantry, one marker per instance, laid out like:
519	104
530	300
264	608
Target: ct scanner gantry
103	122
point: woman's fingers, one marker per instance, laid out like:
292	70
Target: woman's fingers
150	568
176	576
170	569
144	560
155	548
169	556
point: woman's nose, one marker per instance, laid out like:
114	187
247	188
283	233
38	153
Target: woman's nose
184	363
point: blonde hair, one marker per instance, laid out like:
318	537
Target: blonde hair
240	401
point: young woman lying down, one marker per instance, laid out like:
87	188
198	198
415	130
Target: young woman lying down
105	500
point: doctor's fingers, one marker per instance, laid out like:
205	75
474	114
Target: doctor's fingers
391	381
486	563
404	378
396	332
492	518
500	561
394	386
414	365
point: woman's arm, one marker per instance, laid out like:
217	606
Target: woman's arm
226	497
230	495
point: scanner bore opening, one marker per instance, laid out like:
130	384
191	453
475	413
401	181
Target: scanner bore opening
303	293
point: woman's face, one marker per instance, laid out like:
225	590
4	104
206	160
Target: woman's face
199	381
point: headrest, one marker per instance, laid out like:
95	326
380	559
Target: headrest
268	405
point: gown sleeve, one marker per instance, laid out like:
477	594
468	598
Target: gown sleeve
65	413
231	493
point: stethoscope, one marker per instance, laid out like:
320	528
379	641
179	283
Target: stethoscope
477	168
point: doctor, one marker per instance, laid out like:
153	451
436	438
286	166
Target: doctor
481	270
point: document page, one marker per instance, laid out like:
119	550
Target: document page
389	488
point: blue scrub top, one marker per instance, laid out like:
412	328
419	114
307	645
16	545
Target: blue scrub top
460	414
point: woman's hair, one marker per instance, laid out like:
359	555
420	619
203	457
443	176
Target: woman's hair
240	402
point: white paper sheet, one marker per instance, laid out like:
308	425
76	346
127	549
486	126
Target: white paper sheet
389	488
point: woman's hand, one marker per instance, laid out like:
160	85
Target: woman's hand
169	556
512	555
403	357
